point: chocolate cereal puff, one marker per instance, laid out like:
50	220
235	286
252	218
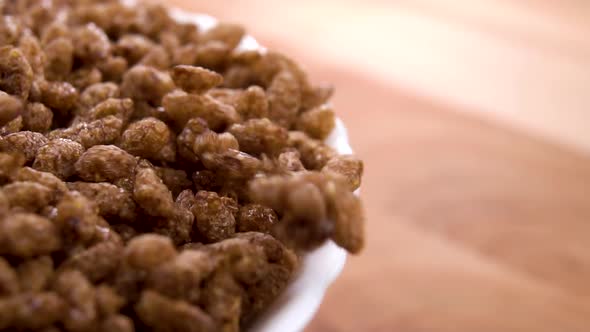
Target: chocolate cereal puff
155	176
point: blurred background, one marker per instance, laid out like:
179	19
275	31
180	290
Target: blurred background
473	118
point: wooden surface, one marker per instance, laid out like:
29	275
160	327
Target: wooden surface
474	129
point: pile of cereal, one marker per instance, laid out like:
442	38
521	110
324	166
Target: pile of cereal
154	177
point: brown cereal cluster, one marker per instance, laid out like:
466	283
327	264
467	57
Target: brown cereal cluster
153	176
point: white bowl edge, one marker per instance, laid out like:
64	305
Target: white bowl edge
296	306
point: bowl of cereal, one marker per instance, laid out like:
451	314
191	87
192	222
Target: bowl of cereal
161	171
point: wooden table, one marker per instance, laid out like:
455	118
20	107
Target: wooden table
474	129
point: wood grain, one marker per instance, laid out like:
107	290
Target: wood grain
471	226
476	163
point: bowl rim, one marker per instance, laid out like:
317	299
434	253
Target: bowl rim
298	303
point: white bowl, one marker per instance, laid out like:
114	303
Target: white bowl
297	305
